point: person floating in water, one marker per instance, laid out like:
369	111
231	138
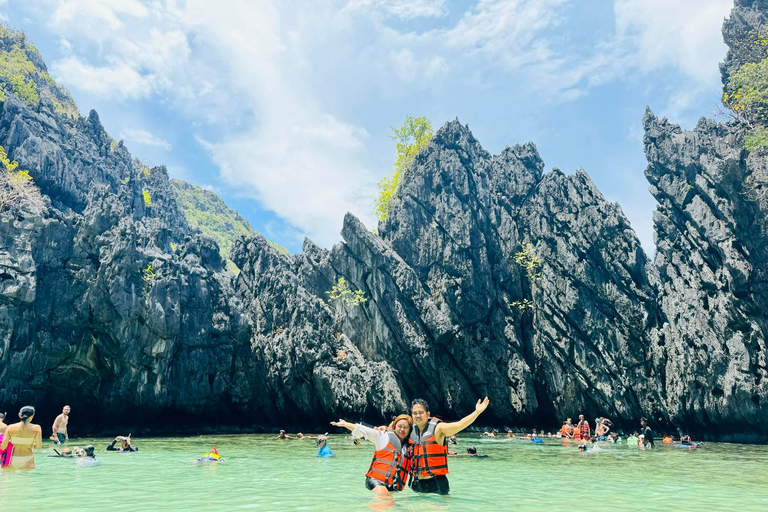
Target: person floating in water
25	437
391	461
322	445
212	456
430	461
88	457
60	434
472	452
125	445
66	453
282	436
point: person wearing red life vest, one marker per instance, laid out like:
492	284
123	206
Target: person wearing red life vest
583	429
428	437
391	462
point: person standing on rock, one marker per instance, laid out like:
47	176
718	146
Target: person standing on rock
60	434
430	453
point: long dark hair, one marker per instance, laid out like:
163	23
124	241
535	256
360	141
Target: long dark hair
27	412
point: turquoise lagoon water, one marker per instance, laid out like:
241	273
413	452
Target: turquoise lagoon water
263	474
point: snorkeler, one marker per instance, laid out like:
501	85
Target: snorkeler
391	460
322	445
125	445
212	456
89	456
430	461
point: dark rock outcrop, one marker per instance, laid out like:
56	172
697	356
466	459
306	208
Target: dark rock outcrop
111	302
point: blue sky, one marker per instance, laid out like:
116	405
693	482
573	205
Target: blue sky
283	107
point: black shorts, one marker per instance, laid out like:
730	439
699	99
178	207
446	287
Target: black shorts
437	485
371	483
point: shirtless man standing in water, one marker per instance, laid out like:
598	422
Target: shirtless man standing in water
60	426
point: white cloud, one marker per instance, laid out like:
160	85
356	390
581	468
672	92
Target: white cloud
406	9
684	34
119	81
100	18
289	74
144	137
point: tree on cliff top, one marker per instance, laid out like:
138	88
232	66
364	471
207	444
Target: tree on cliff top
411	138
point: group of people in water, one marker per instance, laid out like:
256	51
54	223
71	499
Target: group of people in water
19	440
412	450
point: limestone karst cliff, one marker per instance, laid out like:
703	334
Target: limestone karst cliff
111	302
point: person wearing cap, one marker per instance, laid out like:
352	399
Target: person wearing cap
26	437
282	436
322	445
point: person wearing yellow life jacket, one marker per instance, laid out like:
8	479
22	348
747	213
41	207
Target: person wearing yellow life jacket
428	437
391	462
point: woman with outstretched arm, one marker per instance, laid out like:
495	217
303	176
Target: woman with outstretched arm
391	461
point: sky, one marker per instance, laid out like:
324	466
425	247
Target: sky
284	107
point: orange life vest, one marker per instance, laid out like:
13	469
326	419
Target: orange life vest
584	429
391	464
429	458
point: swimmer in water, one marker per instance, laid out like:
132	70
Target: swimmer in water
322	445
89	456
125	445
472	452
282	436
212	456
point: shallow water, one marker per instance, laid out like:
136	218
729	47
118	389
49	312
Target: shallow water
264	474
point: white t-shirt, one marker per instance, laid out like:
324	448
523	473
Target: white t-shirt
377	437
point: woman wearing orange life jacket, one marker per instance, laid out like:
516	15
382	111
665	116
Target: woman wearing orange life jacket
391	462
567	430
430	461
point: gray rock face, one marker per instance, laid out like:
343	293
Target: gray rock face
110	302
97	308
711	258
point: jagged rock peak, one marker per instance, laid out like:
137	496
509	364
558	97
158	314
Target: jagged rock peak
742	33
454	135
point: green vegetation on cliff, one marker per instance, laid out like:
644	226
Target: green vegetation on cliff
414	135
23	73
207	212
